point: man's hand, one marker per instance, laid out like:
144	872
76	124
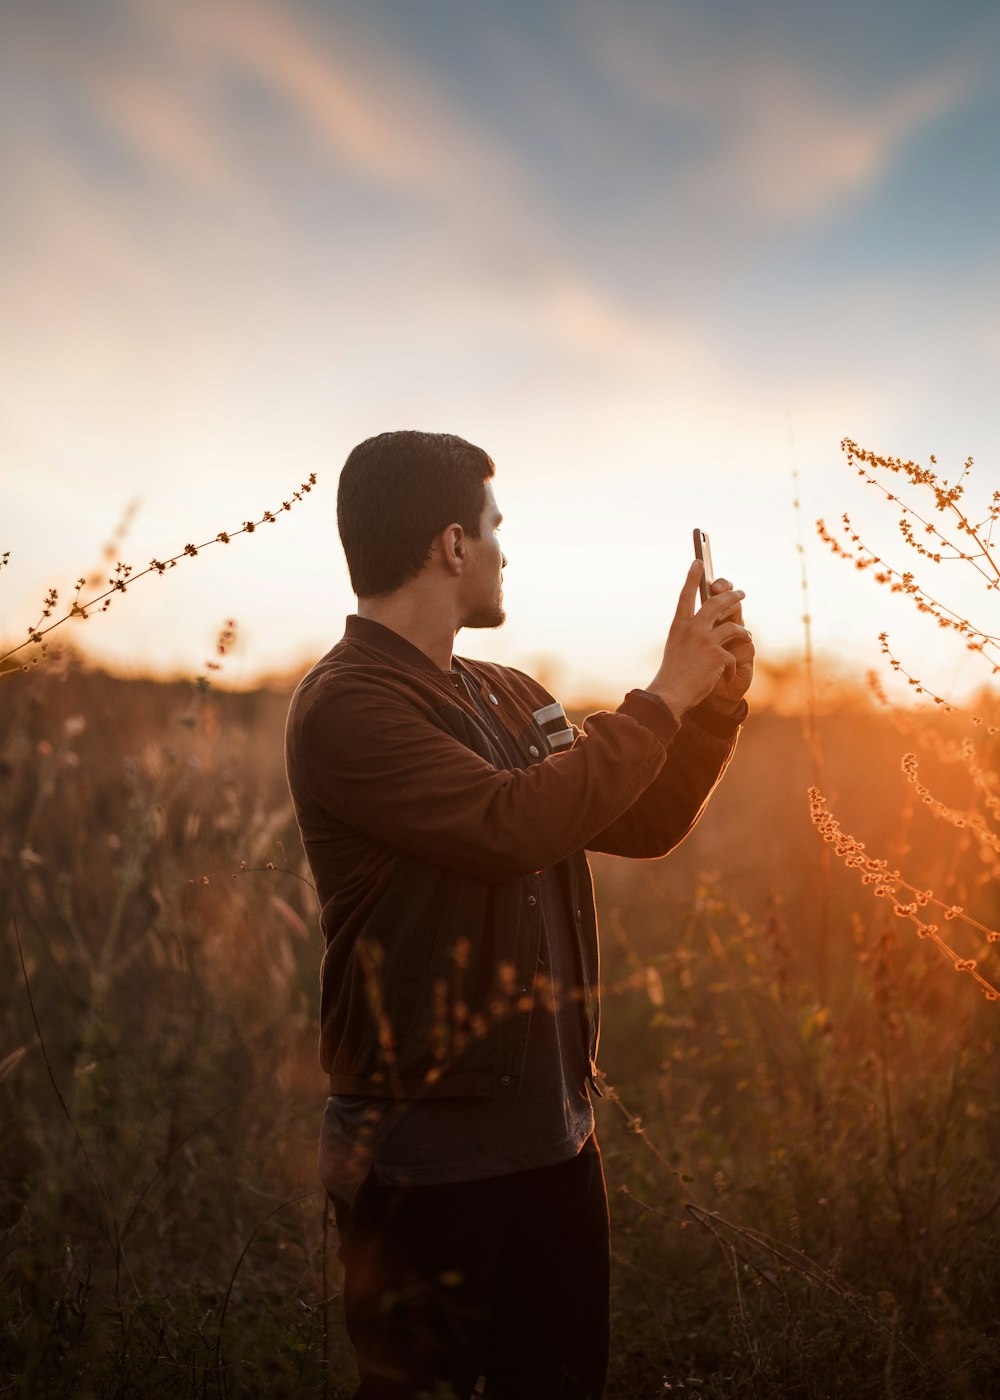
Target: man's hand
709	653
735	681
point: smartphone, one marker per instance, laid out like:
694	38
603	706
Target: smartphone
703	551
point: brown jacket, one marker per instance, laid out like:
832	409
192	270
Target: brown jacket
425	846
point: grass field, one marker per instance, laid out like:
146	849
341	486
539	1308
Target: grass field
802	1127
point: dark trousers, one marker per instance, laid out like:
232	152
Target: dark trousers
506	1278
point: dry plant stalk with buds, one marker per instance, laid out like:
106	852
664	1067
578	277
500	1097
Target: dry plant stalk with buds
956	538
120	582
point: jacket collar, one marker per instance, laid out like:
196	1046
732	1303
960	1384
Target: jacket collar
384	639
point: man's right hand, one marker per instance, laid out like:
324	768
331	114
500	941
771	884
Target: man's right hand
695	656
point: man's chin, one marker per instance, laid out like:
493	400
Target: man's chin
488	617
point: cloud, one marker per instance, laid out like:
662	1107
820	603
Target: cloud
779	140
137	299
158	120
173	312
351	86
793	149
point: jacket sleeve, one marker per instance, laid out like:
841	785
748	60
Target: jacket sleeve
368	756
667	809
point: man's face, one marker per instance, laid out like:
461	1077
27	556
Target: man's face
482	578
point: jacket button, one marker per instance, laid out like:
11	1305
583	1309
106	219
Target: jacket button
524	991
533	751
579	915
505	1080
532	900
493	699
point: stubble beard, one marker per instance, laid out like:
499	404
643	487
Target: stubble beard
487	617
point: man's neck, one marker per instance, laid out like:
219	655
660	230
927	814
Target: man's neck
434	636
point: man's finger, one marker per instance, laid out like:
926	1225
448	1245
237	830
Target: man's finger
731	634
685	603
723	605
733	611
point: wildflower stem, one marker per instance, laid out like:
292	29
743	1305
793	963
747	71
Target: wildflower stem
815	749
124	575
887	885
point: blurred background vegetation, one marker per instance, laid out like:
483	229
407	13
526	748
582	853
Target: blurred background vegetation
800	1141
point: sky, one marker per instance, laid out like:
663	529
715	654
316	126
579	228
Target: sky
652	256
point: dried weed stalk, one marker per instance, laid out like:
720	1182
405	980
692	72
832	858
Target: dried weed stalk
120	582
944	533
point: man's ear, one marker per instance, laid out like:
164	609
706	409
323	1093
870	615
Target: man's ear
453	546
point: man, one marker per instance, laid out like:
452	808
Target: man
446	806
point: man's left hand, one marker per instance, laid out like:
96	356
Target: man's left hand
735	680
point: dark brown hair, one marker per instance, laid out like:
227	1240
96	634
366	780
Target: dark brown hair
397	492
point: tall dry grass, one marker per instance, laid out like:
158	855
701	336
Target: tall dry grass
154	1043
818	1216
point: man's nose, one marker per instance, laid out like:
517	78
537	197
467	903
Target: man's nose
503	560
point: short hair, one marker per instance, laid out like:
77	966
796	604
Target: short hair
397	492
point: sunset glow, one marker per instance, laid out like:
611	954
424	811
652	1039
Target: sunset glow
652	259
